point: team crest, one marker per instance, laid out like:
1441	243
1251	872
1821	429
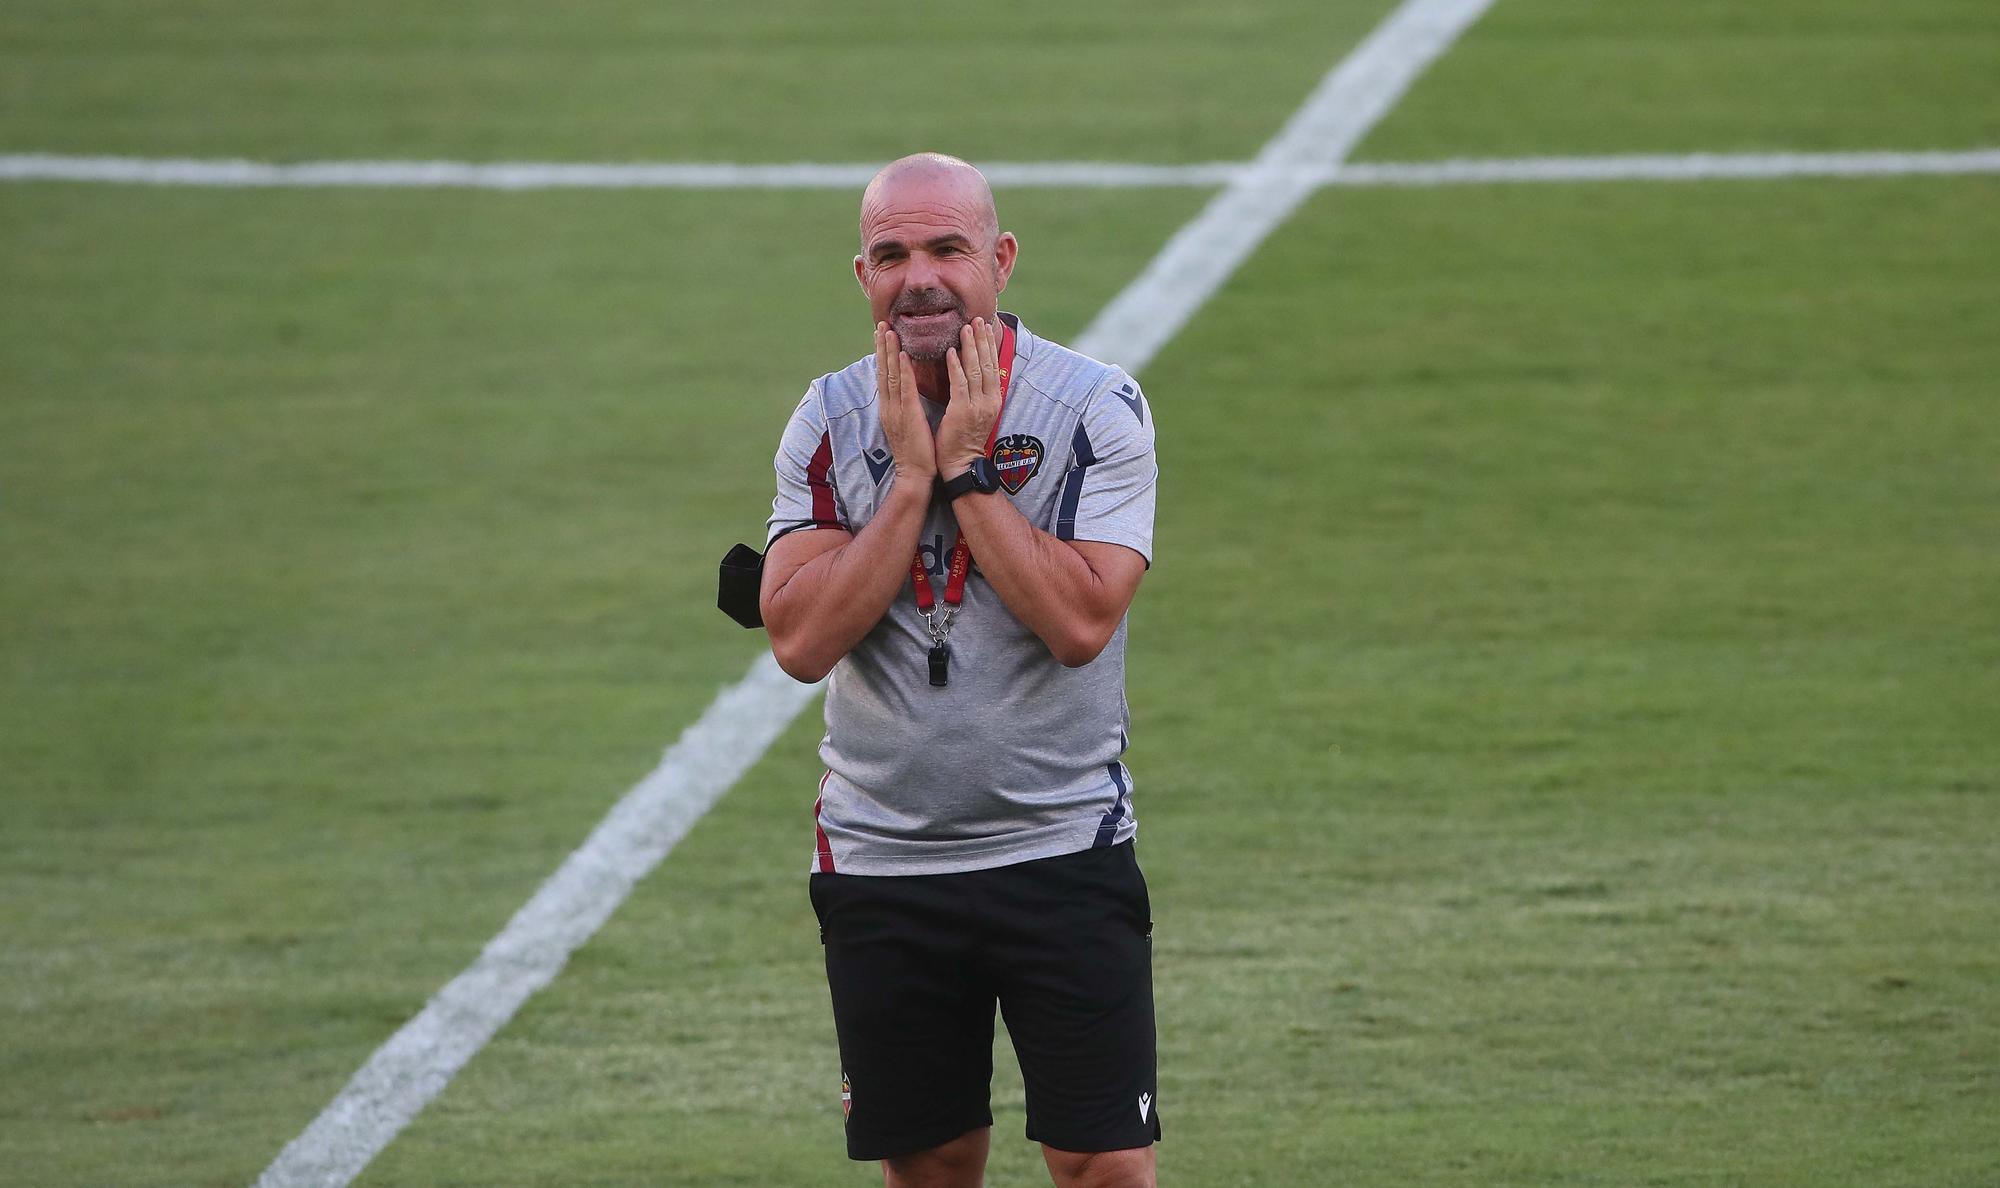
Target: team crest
846	1095
1017	457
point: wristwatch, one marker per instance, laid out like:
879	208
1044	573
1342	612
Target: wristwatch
984	478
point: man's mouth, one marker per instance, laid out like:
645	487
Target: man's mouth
914	321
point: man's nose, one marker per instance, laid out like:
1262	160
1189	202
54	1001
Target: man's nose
922	272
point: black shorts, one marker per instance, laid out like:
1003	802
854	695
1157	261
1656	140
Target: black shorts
916	964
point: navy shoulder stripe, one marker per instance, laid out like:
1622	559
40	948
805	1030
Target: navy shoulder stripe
1073	484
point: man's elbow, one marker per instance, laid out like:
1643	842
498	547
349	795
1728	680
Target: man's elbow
799	660
1082	643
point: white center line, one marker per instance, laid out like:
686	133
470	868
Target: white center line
553	175
1349	101
1665	167
421	1059
546	175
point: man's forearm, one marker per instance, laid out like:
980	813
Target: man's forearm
1049	586
822	609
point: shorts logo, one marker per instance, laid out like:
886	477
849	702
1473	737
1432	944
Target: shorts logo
1145	1105
1017	457
847	1097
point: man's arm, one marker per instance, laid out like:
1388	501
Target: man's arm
825	589
1070	593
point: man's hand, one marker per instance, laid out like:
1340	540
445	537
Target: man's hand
825	589
903	421
974	368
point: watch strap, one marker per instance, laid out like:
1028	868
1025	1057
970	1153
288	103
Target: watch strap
981	476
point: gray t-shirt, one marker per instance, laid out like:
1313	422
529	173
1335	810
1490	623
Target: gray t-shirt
1018	757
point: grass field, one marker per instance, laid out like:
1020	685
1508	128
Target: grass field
1563	701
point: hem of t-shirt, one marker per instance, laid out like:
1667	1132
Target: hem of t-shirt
772	538
1138	544
949	857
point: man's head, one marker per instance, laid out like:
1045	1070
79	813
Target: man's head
933	256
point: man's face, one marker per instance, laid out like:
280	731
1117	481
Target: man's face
931	259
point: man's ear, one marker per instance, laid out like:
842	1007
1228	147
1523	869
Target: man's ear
860	268
1004	250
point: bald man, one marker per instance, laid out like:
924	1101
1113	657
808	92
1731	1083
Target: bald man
962	520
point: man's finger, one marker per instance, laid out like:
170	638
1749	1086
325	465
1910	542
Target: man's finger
968	353
906	373
881	358
980	329
956	371
989	350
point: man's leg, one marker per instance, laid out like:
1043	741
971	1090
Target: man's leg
1068	939
1105	1169
914	1019
960	1163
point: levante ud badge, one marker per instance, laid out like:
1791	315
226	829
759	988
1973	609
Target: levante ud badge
1017	457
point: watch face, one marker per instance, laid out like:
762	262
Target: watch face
985	475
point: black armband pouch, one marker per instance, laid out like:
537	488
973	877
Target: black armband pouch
737	587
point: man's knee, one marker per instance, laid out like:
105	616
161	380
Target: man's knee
960	1163
1101	1169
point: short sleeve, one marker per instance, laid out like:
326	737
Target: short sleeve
1107	494
806	495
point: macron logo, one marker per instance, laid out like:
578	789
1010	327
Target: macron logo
1145	1105
879	463
1130	396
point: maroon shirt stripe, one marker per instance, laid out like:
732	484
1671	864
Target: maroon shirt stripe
824	511
825	846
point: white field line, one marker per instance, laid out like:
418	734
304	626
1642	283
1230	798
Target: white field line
1688	167
531	175
1349	101
421	1058
418	1061
534	175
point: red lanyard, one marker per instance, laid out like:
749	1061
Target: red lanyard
961	552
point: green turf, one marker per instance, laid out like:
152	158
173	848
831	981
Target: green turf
1557	733
1562	703
1584	76
619	79
1613	634
363	554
